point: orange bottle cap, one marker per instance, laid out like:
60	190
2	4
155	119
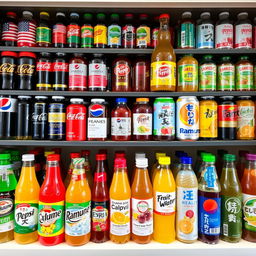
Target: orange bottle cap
142	100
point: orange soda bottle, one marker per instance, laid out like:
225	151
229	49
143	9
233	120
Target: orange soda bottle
142	204
120	197
26	203
164	203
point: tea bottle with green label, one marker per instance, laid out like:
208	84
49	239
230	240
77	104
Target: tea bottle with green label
43	31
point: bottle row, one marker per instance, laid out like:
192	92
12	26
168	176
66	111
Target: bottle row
187	119
96	31
185	207
26	71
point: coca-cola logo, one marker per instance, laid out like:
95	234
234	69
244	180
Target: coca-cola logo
164	71
26	69
60	66
77	116
43	66
122	70
39	118
7	68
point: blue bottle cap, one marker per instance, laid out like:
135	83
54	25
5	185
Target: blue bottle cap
118	100
180	154
186	160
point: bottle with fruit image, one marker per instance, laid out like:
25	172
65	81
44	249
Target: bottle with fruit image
187	190
142	204
120	209
209	202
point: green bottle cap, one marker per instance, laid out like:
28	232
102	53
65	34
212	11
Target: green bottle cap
87	16
114	16
5	156
202	154
101	16
209	158
15	153
207	57
229	157
226	58
244	58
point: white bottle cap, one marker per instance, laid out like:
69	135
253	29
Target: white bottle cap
140	155
242	15
27	13
97	100
205	15
223	14
186	15
77	100
28	157
142	162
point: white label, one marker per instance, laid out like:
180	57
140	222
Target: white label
120	217
224	36
243	37
187	221
245	117
26	216
142	124
142	216
97	69
120	126
164	203
77	69
97	127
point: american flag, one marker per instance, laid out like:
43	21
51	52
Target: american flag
26	33
9	31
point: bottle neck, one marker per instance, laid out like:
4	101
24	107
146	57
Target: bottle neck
164	166
186	167
52	171
28	171
78	172
229	164
121	170
164	35
100	174
100	166
251	165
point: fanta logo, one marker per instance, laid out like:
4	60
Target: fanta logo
97	110
122	70
98	32
189	114
164	71
5	104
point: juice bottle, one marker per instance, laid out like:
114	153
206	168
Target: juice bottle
249	199
209	202
70	169
163	60
87	166
164	203
187	190
240	166
142	204
231	201
51	205
100	203
246	118
78	207
156	165
132	175
26	203
120	209
8	184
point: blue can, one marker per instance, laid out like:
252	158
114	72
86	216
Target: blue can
164	119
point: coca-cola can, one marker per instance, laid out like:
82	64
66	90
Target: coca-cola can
76	120
40	118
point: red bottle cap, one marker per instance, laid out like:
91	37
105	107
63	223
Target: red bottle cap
11	54
27	54
85	153
143	15
128	15
119	154
11	14
101	157
75	155
53	157
120	163
164	16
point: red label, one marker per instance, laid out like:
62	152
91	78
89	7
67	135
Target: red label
60	66
100	177
73	30
59	34
44	66
128	36
78	177
164	71
155	37
227	112
122	70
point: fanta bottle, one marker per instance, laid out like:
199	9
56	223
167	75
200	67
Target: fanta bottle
164	203
51	204
26	203
120	196
156	166
78	206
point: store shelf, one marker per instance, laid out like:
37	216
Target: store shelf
132	249
125	51
212	143
125	94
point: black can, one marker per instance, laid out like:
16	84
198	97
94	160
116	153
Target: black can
39	118
26	70
23	127
8	70
60	72
8	116
57	119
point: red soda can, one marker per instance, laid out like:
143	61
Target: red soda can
76	120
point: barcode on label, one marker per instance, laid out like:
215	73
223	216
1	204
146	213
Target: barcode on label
214	231
225	229
142	42
4	176
182	39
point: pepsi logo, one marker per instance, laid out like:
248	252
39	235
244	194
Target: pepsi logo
97	110
76	66
5	104
96	66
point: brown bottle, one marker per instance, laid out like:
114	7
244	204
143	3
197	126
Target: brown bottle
163	60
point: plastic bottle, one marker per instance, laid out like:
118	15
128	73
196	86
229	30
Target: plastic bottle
87	31
164	203
51	205
78	207
100	31
73	31
26	203
59	31
231	201
187	202
128	32
120	196
43	31
143	32
114	32
156	165
137	156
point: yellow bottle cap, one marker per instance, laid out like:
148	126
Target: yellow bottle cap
164	160
47	153
159	155
44	13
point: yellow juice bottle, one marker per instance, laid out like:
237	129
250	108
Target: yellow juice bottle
120	205
155	166
26	203
164	191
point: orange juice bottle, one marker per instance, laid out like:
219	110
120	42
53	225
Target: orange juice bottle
142	204
164	203
26	203
156	166
78	206
120	196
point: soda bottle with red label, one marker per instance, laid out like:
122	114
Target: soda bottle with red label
76	120
121	75
87	31
73	31
227	116
77	73
128	32
59	31
10	29
143	39
100	203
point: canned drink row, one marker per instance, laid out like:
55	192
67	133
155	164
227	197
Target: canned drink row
186	119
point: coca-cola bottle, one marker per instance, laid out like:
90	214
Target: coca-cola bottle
44	71
10	29
73	31
59	31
